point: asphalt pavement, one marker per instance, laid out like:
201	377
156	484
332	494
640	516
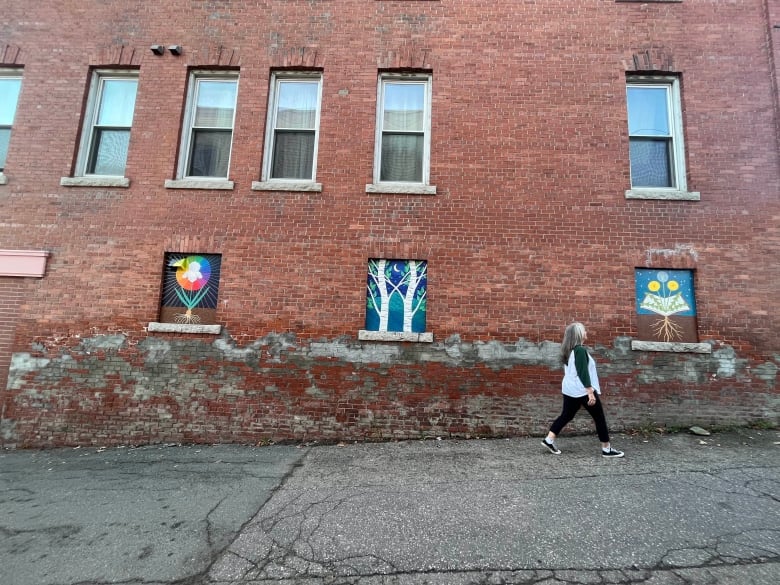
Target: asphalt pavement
678	509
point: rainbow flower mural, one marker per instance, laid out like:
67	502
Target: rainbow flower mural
191	283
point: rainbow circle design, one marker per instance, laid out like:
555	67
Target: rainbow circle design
193	272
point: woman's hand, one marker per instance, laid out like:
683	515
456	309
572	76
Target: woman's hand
591	396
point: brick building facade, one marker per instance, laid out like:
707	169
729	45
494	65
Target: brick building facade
351	219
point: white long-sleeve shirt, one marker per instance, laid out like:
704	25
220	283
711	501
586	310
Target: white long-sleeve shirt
580	373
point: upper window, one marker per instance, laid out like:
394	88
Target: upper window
109	117
402	151
293	124
208	128
655	134
10	86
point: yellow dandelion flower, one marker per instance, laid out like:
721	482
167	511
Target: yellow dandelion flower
654	286
673	285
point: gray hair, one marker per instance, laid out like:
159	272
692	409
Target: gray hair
573	336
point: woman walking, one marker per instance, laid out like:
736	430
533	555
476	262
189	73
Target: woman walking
580	388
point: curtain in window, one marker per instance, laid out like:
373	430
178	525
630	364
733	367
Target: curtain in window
210	153
117	102
294	137
293	155
402	158
212	132
403	132
651	162
109	152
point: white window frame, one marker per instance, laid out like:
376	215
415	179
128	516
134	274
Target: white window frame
269	183
183	179
10	74
674	109
424	187
90	124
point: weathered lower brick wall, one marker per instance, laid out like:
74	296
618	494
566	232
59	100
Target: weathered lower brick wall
111	389
12	293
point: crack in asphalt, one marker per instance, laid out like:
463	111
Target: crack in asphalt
284	548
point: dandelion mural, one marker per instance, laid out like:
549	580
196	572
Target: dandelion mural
666	308
190	288
396	293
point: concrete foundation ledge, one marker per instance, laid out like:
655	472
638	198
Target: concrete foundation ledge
671	346
364	335
183	328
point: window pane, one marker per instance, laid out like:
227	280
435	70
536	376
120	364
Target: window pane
297	107
648	113
404	106
402	157
216	102
117	102
9	96
293	155
109	152
5	137
651	162
210	153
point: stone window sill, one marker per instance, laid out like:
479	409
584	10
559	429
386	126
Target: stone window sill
3	179
122	182
663	194
364	335
401	188
183	328
304	186
675	347
223	184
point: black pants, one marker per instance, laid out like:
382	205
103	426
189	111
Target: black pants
570	408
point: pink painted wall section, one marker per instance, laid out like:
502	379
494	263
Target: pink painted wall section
30	263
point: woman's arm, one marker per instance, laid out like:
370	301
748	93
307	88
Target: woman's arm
581	359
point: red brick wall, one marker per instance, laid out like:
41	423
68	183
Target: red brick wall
11	290
529	229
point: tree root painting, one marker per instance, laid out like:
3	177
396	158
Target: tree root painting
664	298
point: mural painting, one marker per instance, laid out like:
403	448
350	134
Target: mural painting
190	288
396	295
665	305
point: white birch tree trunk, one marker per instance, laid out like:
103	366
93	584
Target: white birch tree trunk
409	297
384	310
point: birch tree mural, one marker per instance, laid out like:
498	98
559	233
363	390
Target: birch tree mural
396	295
